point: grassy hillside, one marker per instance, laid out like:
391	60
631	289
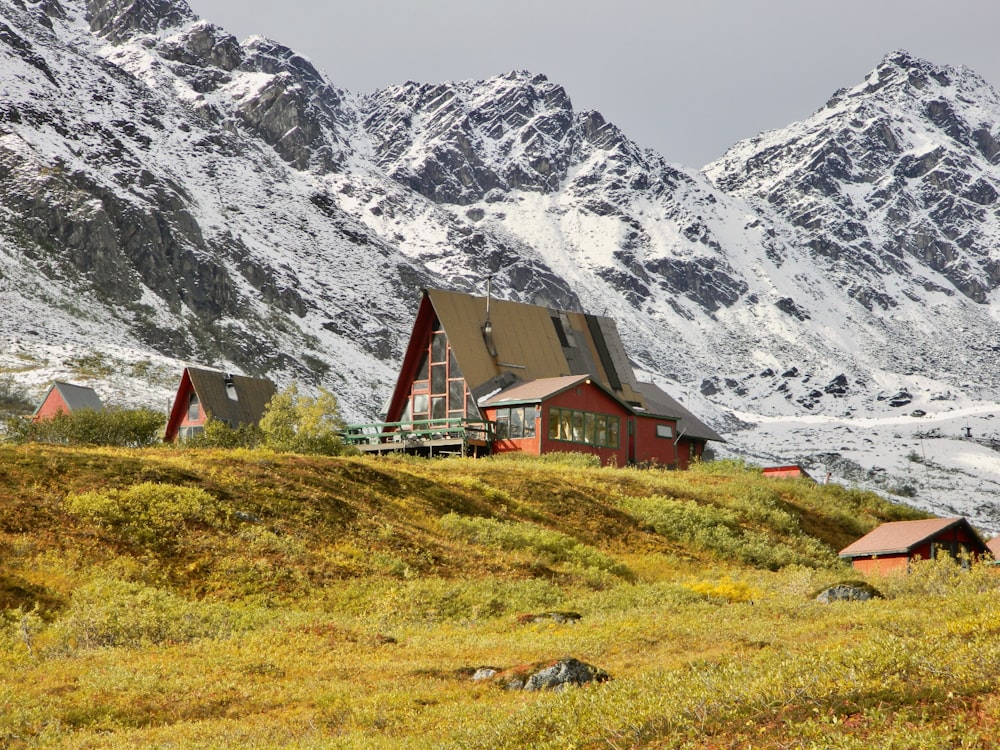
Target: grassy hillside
180	598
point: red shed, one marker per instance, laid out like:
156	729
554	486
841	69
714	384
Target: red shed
202	394
550	380
66	398
792	471
891	546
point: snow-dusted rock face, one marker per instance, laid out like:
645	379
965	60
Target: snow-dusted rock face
170	194
897	176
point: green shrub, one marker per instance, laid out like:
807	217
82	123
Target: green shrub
513	535
126	428
14	399
108	612
218	434
730	534
147	515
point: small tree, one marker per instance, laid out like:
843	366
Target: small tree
14	399
296	423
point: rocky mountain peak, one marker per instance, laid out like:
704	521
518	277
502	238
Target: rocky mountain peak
119	20
456	142
894	177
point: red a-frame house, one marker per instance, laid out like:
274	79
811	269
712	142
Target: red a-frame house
546	379
211	394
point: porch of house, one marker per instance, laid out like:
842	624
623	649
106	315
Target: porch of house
425	437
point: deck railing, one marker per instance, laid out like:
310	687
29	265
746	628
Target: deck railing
419	431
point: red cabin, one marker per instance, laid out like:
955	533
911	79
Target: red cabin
891	546
546	380
205	394
66	398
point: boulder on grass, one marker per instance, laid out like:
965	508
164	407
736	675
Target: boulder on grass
560	618
849	591
548	675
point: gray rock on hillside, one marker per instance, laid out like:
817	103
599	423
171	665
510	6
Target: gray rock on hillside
545	675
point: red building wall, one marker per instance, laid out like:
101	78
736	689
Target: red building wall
586	397
653	449
883	564
52	405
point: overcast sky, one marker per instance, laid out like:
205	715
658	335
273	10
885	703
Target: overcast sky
686	77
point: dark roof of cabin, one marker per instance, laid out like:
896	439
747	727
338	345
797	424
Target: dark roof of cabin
533	342
660	404
76	397
901	537
252	395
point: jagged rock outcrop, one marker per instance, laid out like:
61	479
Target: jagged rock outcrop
892	178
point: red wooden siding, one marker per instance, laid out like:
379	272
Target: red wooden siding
52	405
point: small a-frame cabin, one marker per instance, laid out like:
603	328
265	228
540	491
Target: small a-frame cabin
892	546
540	380
66	398
212	394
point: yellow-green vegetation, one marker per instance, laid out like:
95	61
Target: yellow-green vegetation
203	598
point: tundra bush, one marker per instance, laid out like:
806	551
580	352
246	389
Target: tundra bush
108	612
147	515
126	428
510	535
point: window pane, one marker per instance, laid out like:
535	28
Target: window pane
503	423
601	430
439	407
439	347
438	379
613	424
422	369
530	415
456	395
588	428
566	425
193	408
578	427
517	423
554	424
454	371
471	410
420	407
664	431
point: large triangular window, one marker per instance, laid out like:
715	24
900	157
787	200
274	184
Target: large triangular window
439	391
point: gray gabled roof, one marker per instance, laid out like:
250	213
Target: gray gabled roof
251	395
76	397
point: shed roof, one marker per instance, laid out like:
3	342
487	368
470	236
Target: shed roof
993	545
76	397
533	391
900	537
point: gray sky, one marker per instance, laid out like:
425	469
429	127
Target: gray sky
686	77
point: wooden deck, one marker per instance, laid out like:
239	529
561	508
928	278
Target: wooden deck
428	437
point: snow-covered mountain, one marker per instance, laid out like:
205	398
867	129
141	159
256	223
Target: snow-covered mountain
169	194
